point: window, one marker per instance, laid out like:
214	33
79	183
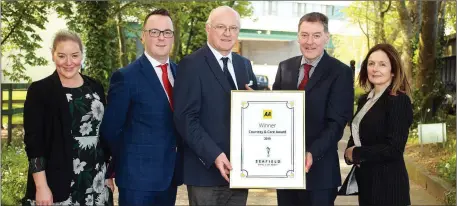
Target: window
330	9
309	8
270	8
299	9
273	8
318	8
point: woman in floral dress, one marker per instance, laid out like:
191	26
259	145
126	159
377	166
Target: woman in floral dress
62	114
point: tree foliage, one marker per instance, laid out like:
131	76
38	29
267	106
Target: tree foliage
103	27
189	20
416	29
20	39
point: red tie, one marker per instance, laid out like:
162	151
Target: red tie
305	79
166	83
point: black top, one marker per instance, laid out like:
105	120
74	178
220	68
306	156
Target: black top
382	177
49	136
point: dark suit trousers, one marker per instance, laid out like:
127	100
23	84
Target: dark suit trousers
217	195
306	197
128	197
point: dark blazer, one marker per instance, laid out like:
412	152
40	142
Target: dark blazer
329	98
47	125
202	112
382	177
138	125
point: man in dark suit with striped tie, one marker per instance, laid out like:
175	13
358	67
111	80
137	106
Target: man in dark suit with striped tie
204	82
329	103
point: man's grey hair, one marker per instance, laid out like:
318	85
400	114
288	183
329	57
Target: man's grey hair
314	17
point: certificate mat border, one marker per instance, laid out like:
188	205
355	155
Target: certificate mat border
292	142
301	92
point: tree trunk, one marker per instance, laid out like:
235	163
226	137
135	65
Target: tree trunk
176	43
406	50
191	31
377	29
381	23
123	58
427	56
367	26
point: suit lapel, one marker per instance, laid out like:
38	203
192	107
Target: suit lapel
364	101
151	77
240	72
216	69
318	73
62	100
64	110
291	76
173	69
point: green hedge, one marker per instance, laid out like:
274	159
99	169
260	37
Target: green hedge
14	170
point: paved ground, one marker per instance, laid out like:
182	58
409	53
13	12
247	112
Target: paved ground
268	197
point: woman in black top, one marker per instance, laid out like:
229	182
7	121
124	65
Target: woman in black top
380	130
62	114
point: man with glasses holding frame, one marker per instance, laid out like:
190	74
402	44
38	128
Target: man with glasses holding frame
138	121
202	110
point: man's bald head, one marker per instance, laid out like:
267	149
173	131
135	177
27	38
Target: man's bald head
222	29
223	11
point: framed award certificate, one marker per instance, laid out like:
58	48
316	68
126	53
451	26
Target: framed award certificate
267	145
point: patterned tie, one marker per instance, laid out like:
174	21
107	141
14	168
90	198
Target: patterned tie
227	73
305	79
166	83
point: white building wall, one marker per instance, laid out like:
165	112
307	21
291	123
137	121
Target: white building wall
269	52
284	16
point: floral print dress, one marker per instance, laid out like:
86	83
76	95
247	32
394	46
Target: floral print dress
88	183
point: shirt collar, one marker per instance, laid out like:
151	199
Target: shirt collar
219	55
375	97
314	63
154	62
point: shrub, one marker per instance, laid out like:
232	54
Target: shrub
447	169
14	171
358	91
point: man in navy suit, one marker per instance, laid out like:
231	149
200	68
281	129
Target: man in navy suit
329	104
202	110
138	121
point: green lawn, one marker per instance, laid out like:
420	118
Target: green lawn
17	119
17	95
15	105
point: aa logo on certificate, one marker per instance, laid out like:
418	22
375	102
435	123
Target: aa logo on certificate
267	114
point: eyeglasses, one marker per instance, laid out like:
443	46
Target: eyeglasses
222	28
156	33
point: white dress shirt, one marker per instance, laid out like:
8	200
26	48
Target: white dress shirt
221	63
155	64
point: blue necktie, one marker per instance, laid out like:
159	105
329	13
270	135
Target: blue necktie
227	73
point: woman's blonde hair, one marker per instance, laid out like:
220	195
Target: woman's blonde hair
65	35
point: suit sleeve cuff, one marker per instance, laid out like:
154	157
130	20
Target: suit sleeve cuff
211	157
315	154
